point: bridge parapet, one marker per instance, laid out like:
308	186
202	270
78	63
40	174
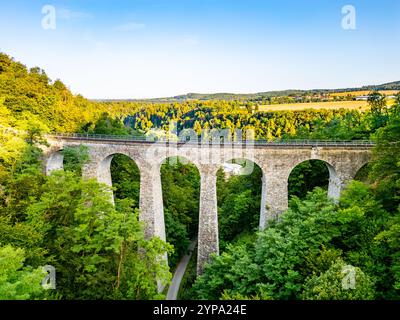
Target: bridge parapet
201	141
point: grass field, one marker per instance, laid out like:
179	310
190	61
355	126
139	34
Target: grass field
351	105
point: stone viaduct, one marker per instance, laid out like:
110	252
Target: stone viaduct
276	161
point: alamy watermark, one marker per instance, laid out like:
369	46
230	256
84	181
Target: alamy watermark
212	146
49	281
49	19
349	277
349	17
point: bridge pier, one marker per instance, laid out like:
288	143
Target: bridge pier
343	175
151	208
274	195
208	240
335	183
263	205
151	200
101	171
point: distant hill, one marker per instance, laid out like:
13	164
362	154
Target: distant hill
386	86
267	94
292	92
234	96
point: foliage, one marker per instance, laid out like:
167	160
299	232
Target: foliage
92	242
18	282
233	272
97	249
307	239
111	126
329	285
202	116
239	198
75	158
181	190
125	178
385	167
306	176
390	239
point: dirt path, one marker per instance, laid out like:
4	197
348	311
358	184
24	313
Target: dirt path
179	272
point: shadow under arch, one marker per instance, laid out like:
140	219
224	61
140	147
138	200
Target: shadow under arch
180	183
311	173
239	188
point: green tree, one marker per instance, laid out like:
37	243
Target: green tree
93	243
181	190
377	102
108	125
308	239
306	176
332	284
75	158
385	166
197	127
18	282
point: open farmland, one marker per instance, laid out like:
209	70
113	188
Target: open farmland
351	105
363	93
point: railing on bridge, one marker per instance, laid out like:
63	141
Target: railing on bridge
291	142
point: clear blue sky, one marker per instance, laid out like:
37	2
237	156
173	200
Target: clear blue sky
155	48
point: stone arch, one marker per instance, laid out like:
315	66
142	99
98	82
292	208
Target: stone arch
334	183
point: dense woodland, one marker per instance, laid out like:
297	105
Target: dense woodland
68	222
